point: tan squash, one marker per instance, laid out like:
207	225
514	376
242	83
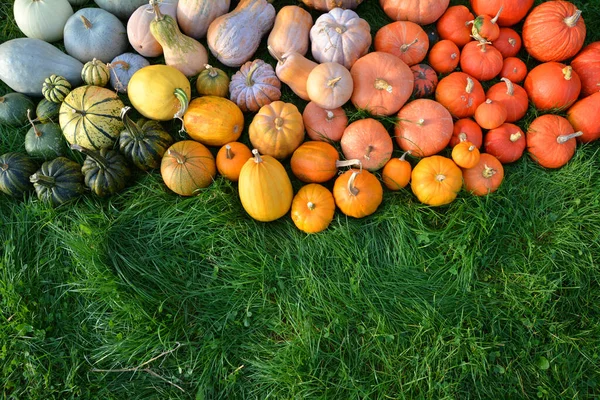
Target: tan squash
330	85
195	16
293	70
290	31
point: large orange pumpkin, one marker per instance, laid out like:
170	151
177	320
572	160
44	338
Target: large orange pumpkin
513	11
552	85
550	140
357	193
485	177
213	120
436	180
187	166
481	61
584	115
587	66
324	124
404	39
422	12
313	208
368	141
277	129
506	143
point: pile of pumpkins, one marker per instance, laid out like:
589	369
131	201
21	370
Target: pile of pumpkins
433	105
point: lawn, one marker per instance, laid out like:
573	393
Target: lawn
148	295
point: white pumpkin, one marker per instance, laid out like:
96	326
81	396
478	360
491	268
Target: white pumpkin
42	19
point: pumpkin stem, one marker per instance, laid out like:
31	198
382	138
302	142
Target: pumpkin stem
573	19
421	122
405	47
340	29
184	102
515	136
94	155
472	147
568	72
512	42
565	138
488	172
35	129
453	56
111	67
278	122
228	153
178	156
157	13
495	19
403	156
249	81
510	88
212	71
131	127
462	137
470	85
332	82
440	177
353	190
44	180
86	22
368	153
4	167
348	163
257	157
310	205
330	115
381	84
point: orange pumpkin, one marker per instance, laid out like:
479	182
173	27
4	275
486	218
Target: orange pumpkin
404	39
436	180
585	117
382	83
460	93
485	177
231	158
315	161
550	140
466	129
587	66
552	85
277	129
329	85
396	172
512	96
514	69
485	28
187	166
424	127
422	12
323	124
357	193
481	61
444	56
313	208
506	143
513	11
368	141
453	25
490	114
465	154
213	120
508	42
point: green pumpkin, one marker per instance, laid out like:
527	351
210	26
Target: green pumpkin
45	141
213	82
56	88
15	169
47	111
13	109
95	73
143	143
58	181
105	171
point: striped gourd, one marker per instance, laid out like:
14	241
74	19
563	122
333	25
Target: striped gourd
58	181
95	73
91	117
15	169
55	88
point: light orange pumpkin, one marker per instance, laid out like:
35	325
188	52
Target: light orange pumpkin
277	129
436	180
213	120
323	124
329	85
550	140
357	193
422	12
485	177
231	158
315	161
291	31
404	39
187	166
584	115
369	141
396	172
313	208
465	154
490	114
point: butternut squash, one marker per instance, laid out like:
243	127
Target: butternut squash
194	16
291	31
293	70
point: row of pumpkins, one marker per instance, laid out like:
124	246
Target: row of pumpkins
93	118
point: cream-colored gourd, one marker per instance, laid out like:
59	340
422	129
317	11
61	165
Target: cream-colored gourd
42	19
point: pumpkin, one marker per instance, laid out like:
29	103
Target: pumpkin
513	69
425	80
328	5
213	120
436	180
315	161
323	124
396	172
587	65
340	36
382	83
460	93
422	12
404	39
254	86
231	158
47	111
485	28
143	143
357	193
105	171
329	85
552	85
58	181
15	169
465	154
121	8
490	114
265	188
188	166
91	117
553	31
313	208
195	16
368	141
291	31
180	51
277	129
95	33
466	129
508	42
453	25
42	19
485	177
44	141
13	109
95	73
138	28
482	61
159	92
512	96
233	38
507	143
550	140
424	127
583	116
513	11
56	88
40	60
444	56
212	81
122	68
293	70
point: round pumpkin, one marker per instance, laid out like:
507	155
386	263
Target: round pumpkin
313	208
41	19
466	129
514	69
506	143
213	120
56	88
422	12
460	93
254	86
122	68
452	25
329	85
512	96
368	141
95	73
277	129
485	28
396	172
550	140
357	193
323	124
490	114
513	11
584	115
105	171
426	80
315	161
187	166
212	82
15	170
444	56
44	141
58	181
328	5
231	158
404	39
485	177
508	42
587	66
465	154
436	180
14	109
552	85
481	61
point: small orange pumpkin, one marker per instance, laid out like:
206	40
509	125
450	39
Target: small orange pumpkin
490	114
277	129
357	193
369	141
444	56
323	124
514	69
187	166
508	42
436	180
550	140
485	177
506	143
231	158
313	208
315	161
396	172
465	154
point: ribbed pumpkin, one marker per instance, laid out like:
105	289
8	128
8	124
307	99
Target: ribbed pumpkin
95	73
231	158
47	111
44	141
323	124
188	166
328	5
313	208
550	140
144	142
277	129
436	180
460	93
15	169
587	66
254	86
315	161
265	188
404	39
105	171
584	116
396	172
56	88
58	181
485	177
422	12
368	141
91	117
426	80
330	85
213	120
506	143
512	96
212	81
13	109
552	85
357	193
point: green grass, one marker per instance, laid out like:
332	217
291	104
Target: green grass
147	295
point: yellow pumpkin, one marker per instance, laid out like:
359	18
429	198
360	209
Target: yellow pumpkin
265	188
213	120
436	180
313	208
277	129
159	92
